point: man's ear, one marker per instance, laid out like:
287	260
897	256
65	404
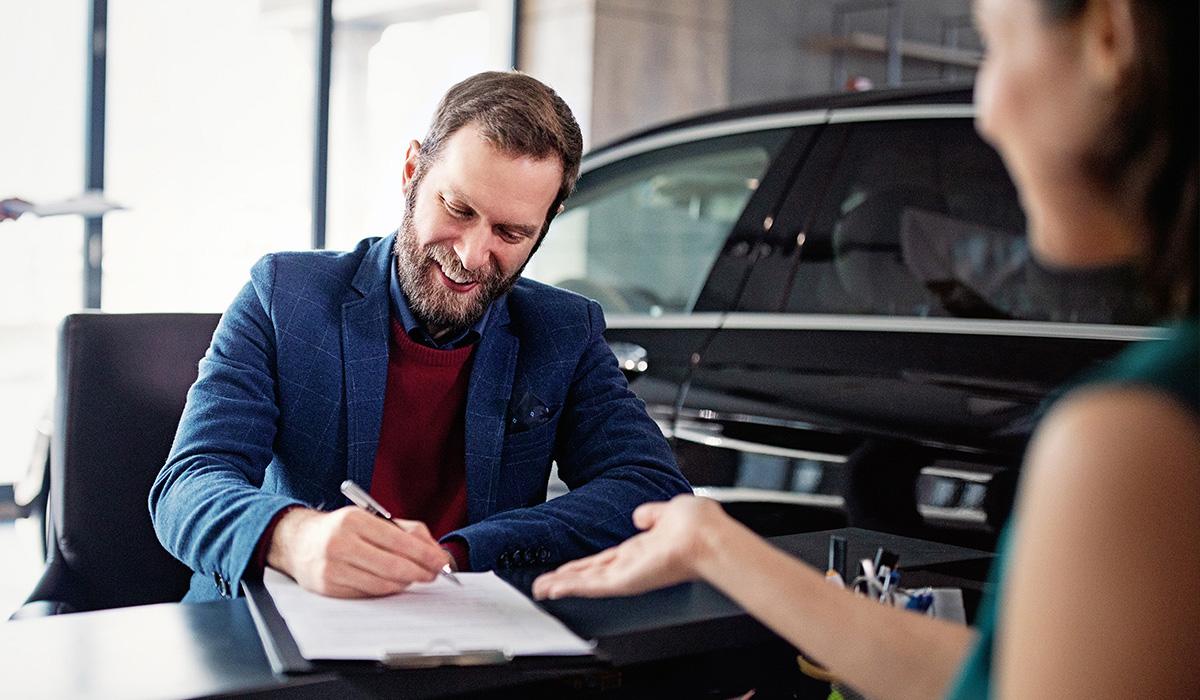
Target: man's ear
411	156
1109	41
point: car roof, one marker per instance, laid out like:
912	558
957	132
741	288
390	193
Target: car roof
959	93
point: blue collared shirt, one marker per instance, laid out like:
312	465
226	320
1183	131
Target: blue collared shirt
402	313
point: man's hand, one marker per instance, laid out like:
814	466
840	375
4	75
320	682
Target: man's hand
351	553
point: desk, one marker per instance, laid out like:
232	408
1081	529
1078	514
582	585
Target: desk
212	649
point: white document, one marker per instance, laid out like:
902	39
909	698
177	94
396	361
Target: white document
90	203
485	613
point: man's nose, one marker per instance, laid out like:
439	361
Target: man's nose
474	247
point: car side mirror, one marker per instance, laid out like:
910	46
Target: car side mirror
631	358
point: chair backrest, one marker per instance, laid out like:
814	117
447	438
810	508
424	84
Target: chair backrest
122	383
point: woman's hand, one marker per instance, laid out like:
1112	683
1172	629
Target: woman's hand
678	535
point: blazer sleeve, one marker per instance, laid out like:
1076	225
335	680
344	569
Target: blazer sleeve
206	504
610	453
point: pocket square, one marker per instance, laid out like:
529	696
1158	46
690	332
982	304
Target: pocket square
526	412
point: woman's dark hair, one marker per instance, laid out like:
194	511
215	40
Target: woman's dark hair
1153	142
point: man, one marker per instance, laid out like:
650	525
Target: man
423	368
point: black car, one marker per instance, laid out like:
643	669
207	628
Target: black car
830	307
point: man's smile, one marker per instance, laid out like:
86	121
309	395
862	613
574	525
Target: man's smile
461	286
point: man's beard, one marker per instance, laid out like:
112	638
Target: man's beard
437	307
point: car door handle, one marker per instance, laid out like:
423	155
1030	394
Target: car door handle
715	439
631	358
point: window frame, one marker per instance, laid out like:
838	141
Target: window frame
662	149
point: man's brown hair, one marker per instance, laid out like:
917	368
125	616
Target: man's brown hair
517	114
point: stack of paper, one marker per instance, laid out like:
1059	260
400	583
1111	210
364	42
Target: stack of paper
438	618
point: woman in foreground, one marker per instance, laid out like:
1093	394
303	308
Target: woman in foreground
1093	105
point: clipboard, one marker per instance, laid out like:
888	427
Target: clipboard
282	652
285	658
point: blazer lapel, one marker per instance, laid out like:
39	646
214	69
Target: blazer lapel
365	360
487	401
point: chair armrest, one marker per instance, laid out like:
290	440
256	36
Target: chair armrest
55	593
41	608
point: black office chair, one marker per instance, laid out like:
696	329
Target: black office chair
122	382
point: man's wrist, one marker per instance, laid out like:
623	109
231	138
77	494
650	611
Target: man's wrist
459	553
284	536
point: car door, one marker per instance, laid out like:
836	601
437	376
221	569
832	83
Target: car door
894	341
656	232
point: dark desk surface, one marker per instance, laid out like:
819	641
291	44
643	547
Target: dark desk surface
212	649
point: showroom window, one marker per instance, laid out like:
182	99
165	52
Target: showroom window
42	270
640	235
380	99
919	218
208	145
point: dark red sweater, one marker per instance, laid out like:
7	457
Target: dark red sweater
420	464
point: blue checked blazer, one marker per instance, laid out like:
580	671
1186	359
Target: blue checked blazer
289	401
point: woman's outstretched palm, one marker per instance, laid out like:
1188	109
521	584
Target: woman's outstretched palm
664	554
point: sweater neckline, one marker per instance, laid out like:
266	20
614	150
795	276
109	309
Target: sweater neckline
423	354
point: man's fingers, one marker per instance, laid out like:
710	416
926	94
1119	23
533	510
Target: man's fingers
365	555
416	528
354	582
430	557
418	546
394	568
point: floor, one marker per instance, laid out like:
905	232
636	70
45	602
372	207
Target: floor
20	564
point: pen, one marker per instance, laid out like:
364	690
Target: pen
837	556
884	557
363	500
866	581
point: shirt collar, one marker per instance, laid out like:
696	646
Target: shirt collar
403	313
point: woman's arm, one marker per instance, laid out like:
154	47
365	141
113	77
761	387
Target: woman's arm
1101	598
882	651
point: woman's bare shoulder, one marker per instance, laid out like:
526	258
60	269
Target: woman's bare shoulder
1118	431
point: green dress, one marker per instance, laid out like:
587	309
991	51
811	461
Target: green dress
1172	367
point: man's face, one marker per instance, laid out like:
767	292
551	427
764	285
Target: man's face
470	223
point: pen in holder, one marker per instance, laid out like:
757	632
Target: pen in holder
879	579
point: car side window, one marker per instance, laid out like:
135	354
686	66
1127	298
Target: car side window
920	218
641	234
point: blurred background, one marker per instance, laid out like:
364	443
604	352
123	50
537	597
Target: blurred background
210	122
